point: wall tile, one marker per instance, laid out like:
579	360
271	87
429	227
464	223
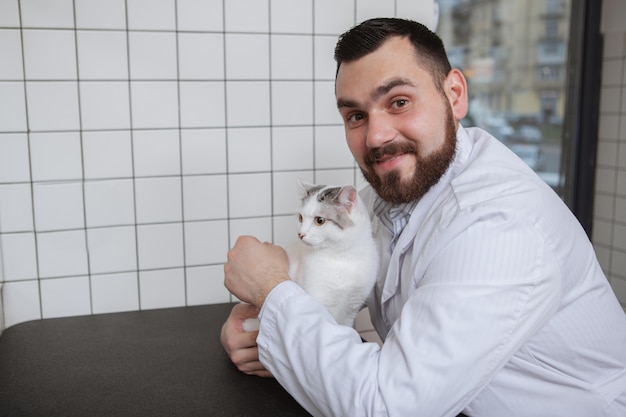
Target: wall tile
55	156
367	9
107	154
104	105
109	203
58	206
204	197
602	232
605	180
154	104
612	72
21	302
14	163
285	229
62	253
247	103
249	150
333	17
613	45
200	15
96	14
152	55
287	191
325	65
205	285
335	176
261	228
113	293
151	14
603	206
326	104
102	55
291	16
47	13
206	242
292	148
607	153
291	57
62	297
247	57
620	211
201	56
16	208
9	14
292	103
162	289
619	237
112	249
331	150
12	107
156	152
158	199
250	195
19	256
160	246
52	105
50	54
11	52
246	15
618	264
202	104
203	151
621	183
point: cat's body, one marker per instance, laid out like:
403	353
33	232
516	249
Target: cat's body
336	259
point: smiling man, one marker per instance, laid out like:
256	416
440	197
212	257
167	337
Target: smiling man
490	300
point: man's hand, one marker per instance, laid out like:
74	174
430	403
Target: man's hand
241	346
254	269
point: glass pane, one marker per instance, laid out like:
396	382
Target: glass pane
514	55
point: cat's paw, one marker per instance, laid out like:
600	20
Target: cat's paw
251	325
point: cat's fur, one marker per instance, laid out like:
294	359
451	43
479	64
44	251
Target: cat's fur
336	259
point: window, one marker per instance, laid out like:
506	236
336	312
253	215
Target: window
514	55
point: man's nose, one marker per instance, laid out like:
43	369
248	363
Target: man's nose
380	130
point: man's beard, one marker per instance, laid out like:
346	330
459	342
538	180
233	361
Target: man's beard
428	169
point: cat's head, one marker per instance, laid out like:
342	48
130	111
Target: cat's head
327	214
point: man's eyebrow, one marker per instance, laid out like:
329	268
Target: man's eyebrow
385	88
345	103
377	93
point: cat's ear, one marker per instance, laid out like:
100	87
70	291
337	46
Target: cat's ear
305	186
348	197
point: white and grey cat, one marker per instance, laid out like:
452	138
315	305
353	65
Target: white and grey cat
336	258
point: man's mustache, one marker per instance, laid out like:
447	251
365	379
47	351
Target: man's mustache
393	148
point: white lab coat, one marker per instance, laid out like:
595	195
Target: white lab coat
492	303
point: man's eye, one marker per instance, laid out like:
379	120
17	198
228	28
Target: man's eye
320	221
399	103
355	117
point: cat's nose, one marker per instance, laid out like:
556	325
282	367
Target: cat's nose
301	235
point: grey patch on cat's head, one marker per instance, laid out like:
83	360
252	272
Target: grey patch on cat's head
337	204
309	189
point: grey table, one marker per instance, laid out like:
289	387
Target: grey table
148	363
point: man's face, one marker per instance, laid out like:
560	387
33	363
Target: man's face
399	125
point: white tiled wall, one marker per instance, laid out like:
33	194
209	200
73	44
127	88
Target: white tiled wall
139	138
609	226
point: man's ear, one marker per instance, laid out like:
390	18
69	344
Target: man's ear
455	87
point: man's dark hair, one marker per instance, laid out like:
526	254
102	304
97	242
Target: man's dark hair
371	34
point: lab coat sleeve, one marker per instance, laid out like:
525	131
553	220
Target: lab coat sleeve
484	294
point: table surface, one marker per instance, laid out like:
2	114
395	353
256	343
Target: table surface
165	362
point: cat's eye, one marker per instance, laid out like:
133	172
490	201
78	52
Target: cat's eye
319	221
300	218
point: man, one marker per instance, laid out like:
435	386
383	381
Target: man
490	301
